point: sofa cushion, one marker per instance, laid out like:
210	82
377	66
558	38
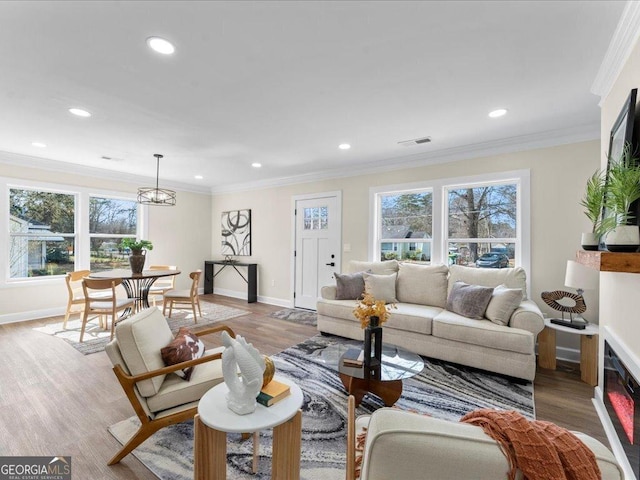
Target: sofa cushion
503	303
379	268
412	318
349	286
140	339
422	284
469	300
382	287
174	391
489	277
484	333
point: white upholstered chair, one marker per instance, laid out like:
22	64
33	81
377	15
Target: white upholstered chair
158	396
411	446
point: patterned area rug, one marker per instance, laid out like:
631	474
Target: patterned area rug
95	337
296	315
442	390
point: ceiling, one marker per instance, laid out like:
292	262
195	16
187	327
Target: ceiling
284	83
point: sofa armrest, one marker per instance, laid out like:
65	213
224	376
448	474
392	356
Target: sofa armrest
527	317
328	292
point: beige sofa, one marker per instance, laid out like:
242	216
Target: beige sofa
422	325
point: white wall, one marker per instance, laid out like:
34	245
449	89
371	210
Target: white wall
558	177
181	236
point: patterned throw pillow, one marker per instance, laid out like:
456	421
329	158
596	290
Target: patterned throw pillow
186	346
469	300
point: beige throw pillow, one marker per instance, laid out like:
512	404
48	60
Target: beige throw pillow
382	287
379	268
422	284
469	300
503	303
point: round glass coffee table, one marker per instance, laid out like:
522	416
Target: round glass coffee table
384	381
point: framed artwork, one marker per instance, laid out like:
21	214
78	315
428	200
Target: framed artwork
236	233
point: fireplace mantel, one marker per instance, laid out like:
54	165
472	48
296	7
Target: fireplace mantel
610	261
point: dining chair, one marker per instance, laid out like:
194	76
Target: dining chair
73	281
186	296
100	298
163	284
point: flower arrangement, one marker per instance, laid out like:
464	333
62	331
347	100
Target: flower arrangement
370	307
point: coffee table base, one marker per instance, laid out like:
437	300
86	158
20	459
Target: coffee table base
389	391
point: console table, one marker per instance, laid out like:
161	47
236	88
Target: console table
251	279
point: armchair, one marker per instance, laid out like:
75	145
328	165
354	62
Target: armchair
158	396
407	445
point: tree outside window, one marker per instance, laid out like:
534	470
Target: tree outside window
110	221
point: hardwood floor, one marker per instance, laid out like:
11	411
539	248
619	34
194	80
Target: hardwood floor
56	401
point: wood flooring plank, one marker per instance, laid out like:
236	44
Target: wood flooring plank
56	401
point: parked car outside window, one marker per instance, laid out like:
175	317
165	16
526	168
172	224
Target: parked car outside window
492	260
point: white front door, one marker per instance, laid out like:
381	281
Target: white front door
317	246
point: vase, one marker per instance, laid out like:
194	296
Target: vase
624	238
373	343
137	262
590	241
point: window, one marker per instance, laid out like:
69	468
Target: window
480	221
316	218
482	225
42	233
55	229
110	220
404	218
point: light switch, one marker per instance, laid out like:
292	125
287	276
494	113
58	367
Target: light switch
346	247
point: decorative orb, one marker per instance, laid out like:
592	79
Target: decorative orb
269	371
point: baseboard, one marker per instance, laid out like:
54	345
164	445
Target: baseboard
279	302
568	354
31	315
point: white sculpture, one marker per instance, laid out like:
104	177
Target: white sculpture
245	386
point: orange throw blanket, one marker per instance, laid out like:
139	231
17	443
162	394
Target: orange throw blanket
541	450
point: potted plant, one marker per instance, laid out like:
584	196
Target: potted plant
138	249
593	203
622	189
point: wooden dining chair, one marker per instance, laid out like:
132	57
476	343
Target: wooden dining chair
100	298
186	296
163	284
73	281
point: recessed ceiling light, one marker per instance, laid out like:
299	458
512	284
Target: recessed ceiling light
161	45
344	146
79	112
39	144
198	177
498	113
256	165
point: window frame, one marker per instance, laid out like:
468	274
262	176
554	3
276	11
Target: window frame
439	244
81	223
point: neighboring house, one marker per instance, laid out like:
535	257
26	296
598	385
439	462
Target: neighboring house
419	251
28	246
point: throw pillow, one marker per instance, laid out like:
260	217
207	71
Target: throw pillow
186	346
382	287
349	287
469	300
422	284
503	303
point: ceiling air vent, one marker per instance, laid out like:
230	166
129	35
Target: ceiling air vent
415	141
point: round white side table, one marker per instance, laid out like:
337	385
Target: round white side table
214	420
588	349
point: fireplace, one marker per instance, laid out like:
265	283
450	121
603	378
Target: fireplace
622	400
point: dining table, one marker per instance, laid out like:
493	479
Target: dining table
136	285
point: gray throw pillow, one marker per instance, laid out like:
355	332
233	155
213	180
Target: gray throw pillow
469	300
349	287
503	303
382	287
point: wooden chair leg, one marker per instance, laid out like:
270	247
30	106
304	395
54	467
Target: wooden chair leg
85	317
66	316
164	307
145	431
193	307
198	303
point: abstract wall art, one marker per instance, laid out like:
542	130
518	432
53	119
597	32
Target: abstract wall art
236	232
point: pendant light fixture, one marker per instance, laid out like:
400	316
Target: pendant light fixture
157	196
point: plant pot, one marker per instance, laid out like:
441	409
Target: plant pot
590	241
137	262
373	344
624	238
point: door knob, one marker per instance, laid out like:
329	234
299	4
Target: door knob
332	264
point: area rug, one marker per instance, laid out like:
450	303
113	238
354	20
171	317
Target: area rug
95	337
296	315
442	390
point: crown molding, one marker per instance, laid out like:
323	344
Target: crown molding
520	143
622	43
27	161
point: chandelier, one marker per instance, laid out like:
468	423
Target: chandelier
157	196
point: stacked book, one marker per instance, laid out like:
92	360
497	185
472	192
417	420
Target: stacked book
354	357
272	393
